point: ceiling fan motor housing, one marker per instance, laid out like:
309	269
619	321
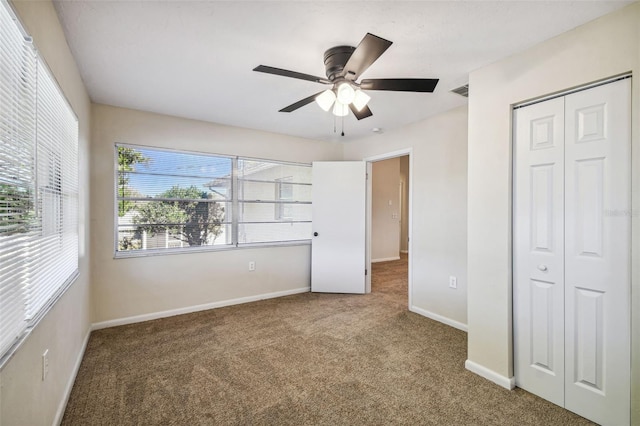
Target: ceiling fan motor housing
335	59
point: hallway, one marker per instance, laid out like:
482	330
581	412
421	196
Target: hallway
391	279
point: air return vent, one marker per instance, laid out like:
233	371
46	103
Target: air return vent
462	90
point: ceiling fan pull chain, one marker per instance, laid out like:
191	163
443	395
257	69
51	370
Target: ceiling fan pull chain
342	134
334	124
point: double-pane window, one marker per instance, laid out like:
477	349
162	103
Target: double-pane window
173	200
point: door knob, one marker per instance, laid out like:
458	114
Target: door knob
315	234
543	268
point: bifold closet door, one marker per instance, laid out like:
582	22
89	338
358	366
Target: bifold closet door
538	232
597	252
572	235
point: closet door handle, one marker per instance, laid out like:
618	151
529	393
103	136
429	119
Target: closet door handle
543	268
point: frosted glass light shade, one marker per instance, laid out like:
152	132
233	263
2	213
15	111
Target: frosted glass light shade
340	109
345	93
360	99
326	99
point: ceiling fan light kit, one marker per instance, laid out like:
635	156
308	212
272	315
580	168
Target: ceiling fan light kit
340	109
360	100
343	66
345	93
326	99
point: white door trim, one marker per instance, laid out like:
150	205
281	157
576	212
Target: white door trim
563	93
370	160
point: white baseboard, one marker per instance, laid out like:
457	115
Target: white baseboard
500	380
385	259
196	308
404	251
67	391
439	318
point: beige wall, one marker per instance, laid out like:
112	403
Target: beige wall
404	217
124	288
597	50
24	398
385	210
438	206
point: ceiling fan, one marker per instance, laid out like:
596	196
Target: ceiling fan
344	65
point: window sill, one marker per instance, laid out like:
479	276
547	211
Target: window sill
189	250
33	323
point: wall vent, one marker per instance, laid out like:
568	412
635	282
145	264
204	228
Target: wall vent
462	90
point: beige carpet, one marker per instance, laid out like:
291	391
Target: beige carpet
307	359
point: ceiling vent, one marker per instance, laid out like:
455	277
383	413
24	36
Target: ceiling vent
462	90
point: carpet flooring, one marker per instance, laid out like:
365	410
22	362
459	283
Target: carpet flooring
307	359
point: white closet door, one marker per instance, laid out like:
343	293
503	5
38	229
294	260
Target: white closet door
539	249
597	252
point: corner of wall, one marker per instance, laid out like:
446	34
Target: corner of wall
498	379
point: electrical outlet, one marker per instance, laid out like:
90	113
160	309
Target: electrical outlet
453	282
45	364
252	266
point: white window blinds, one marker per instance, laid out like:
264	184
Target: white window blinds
38	185
55	250
274	201
17	177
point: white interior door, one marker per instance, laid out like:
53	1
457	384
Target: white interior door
338	244
572	234
597	252
539	249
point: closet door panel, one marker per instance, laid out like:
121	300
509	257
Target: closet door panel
538	249
597	257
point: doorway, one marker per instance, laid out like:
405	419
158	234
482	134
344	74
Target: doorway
388	213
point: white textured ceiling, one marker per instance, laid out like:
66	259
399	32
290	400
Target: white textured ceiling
194	59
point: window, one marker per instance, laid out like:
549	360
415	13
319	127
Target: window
265	187
284	196
175	200
169	199
38	186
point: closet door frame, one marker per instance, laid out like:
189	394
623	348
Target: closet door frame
621	173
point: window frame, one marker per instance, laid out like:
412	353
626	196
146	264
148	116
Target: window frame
233	221
283	202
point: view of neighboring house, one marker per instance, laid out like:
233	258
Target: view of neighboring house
275	202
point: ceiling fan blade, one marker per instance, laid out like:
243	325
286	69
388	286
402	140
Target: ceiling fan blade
370	48
300	103
400	84
292	74
363	113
